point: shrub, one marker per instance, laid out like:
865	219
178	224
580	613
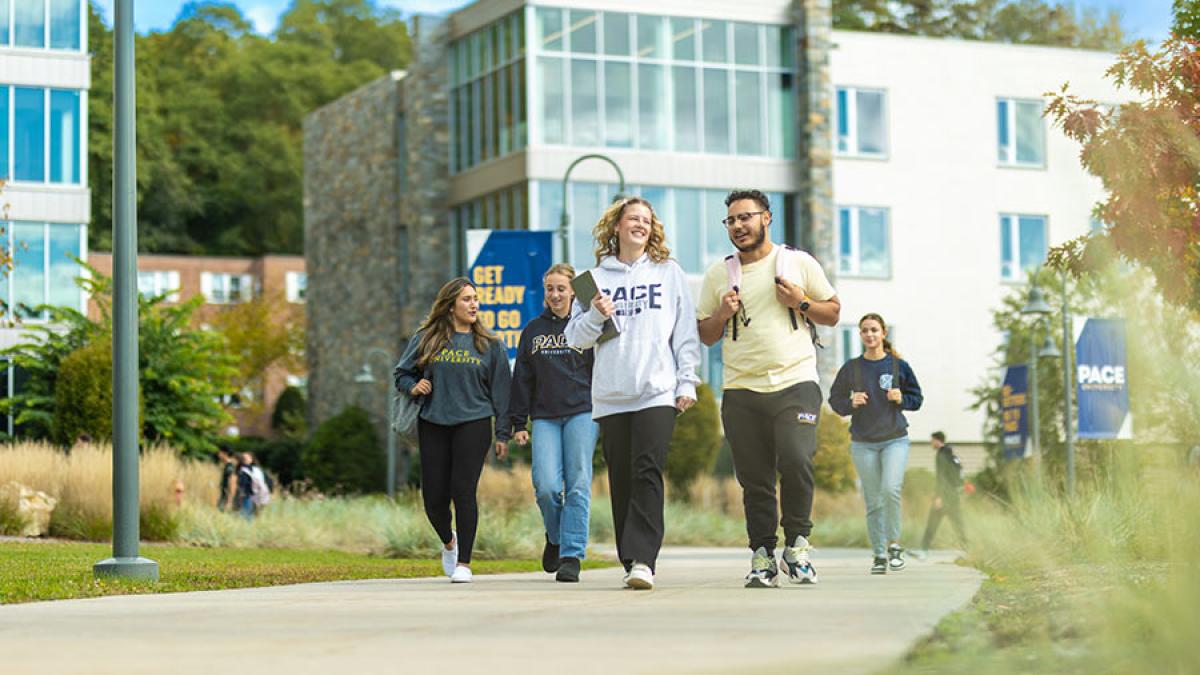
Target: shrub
11	520
290	414
344	456
833	466
83	394
695	443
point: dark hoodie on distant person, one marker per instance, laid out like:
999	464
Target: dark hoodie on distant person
550	378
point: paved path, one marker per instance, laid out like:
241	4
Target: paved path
699	619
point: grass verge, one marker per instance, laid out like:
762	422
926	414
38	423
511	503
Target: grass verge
57	571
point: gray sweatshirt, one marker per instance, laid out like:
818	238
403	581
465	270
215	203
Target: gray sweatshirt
467	385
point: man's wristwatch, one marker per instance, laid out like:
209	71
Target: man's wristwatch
804	305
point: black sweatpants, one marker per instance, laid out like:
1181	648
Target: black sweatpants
452	459
774	433
635	448
952	507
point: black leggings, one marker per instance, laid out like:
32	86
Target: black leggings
635	448
452	458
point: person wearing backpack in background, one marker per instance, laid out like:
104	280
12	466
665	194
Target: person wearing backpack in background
229	469
946	501
552	383
874	390
253	486
772	400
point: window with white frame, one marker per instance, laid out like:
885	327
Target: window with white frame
219	288
297	286
863	245
43	24
154	283
42	135
1021	132
861	122
44	269
1022	245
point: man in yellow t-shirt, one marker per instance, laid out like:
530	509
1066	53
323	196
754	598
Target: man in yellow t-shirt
772	400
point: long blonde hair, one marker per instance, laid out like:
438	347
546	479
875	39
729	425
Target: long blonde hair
605	232
438	327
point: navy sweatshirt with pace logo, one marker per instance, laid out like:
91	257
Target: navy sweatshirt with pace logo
880	419
550	378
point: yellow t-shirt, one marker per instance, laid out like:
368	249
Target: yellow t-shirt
769	355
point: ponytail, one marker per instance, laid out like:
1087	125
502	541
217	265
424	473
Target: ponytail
889	349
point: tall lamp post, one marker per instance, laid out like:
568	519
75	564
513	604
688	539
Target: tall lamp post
1037	308
125	561
365	377
564	227
1068	388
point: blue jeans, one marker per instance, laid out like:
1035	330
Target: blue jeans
880	468
562	478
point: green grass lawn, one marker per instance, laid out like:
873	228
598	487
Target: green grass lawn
56	571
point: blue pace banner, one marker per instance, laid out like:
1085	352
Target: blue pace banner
507	267
1014	395
1101	380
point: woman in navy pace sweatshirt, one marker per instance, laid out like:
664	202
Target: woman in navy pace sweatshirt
875	389
552	383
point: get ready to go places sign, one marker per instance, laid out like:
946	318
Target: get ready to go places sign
507	267
1014	408
1101	380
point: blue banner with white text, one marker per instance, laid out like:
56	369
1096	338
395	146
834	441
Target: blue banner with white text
507	267
1101	380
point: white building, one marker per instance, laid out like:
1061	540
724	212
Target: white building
45	204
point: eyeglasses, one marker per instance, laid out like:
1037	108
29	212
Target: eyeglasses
741	218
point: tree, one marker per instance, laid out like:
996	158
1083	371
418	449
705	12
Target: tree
1147	154
261	335
344	456
1016	21
183	371
695	443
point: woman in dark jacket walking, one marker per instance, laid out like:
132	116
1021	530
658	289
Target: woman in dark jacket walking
875	389
461	370
552	383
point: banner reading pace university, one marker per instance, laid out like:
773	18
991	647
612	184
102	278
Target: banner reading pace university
1013	397
507	267
1101	384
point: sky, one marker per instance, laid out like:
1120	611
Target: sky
1147	19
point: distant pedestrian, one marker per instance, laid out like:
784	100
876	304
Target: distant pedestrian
253	486
874	390
229	480
461	371
552	383
946	499
644	376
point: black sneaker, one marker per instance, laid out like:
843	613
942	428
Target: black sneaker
568	570
880	566
550	561
764	570
895	558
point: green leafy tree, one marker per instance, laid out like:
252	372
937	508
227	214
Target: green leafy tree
83	394
183	371
290	415
1147	154
695	443
343	456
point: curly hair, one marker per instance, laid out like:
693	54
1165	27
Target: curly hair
438	327
605	231
739	195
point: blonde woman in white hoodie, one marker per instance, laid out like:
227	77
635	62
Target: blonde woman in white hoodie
643	377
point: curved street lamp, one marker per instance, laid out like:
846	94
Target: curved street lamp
564	228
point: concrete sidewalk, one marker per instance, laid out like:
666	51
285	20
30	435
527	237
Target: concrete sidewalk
698	619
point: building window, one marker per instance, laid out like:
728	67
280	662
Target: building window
861	122
656	83
1021	133
863	243
159	282
487	92
38	24
41	135
221	288
44	269
1022	245
297	286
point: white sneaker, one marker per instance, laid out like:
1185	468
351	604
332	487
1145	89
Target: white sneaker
640	577
462	575
795	561
450	558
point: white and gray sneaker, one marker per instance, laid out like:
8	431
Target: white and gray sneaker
462	575
640	577
796	563
895	558
450	557
764	570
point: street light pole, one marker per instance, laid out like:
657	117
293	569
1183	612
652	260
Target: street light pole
564	228
125	563
1068	387
1037	308
365	377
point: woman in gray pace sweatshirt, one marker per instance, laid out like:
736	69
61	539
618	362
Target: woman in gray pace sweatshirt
643	377
461	371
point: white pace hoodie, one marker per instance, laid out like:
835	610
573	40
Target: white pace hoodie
655	358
